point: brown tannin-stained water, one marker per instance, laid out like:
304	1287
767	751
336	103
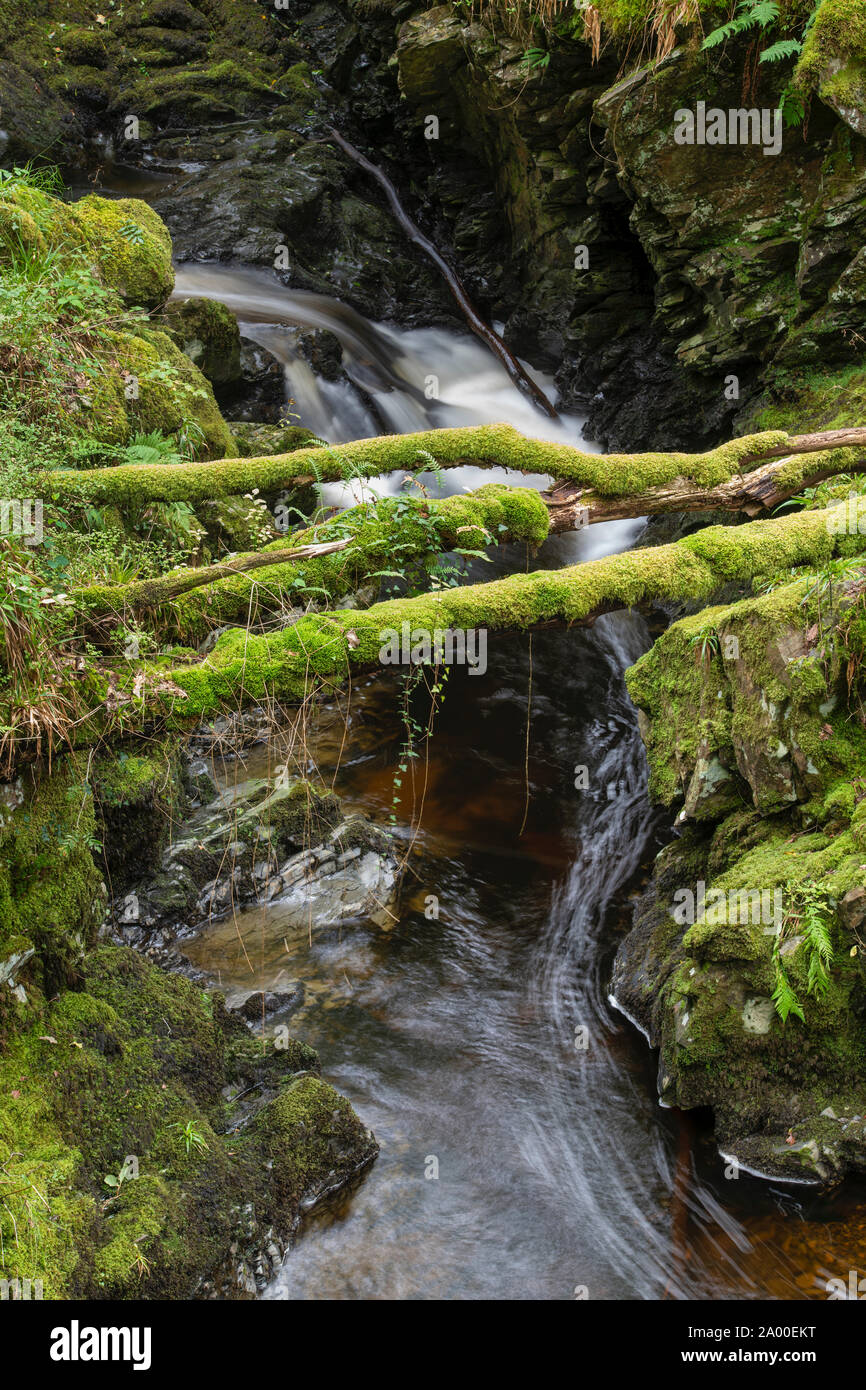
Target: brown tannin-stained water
514	1162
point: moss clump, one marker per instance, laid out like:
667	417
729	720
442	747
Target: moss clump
50	891
198	90
83	47
132	246
155	387
255	440
829	400
311	1135
19	234
834	46
137	798
119	1070
125	238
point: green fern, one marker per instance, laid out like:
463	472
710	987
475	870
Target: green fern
784	998
811	914
763	15
749	13
782	48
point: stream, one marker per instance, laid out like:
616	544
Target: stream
523	1151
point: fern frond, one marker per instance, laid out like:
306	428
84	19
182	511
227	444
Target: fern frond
784	998
782	48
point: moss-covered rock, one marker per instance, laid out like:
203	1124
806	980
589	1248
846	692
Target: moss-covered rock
123	1080
208	333
51	895
153	386
19	232
256	440
125	239
132	246
832	60
721	968
118	1081
139	797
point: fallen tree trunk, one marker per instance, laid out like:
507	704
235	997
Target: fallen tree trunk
761	490
380	537
626	478
320	650
149	593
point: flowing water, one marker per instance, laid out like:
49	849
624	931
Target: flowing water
524	1153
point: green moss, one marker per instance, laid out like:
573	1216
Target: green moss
381	533
829	400
207	332
19	232
254	439
138	797
132	246
49	887
836	40
118	1070
310	1131
753	696
83	47
200	90
155	387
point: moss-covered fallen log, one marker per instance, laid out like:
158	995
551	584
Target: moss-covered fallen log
761	489
150	593
339	556
485	446
321	649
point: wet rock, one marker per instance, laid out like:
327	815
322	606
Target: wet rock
260	396
852	909
708	986
207	332
259	1004
255	439
261	843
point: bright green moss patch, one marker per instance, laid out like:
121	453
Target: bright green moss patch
836	39
50	892
132	246
829	400
103	1083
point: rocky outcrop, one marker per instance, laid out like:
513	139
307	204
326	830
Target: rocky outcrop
753	725
645	273
698	263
